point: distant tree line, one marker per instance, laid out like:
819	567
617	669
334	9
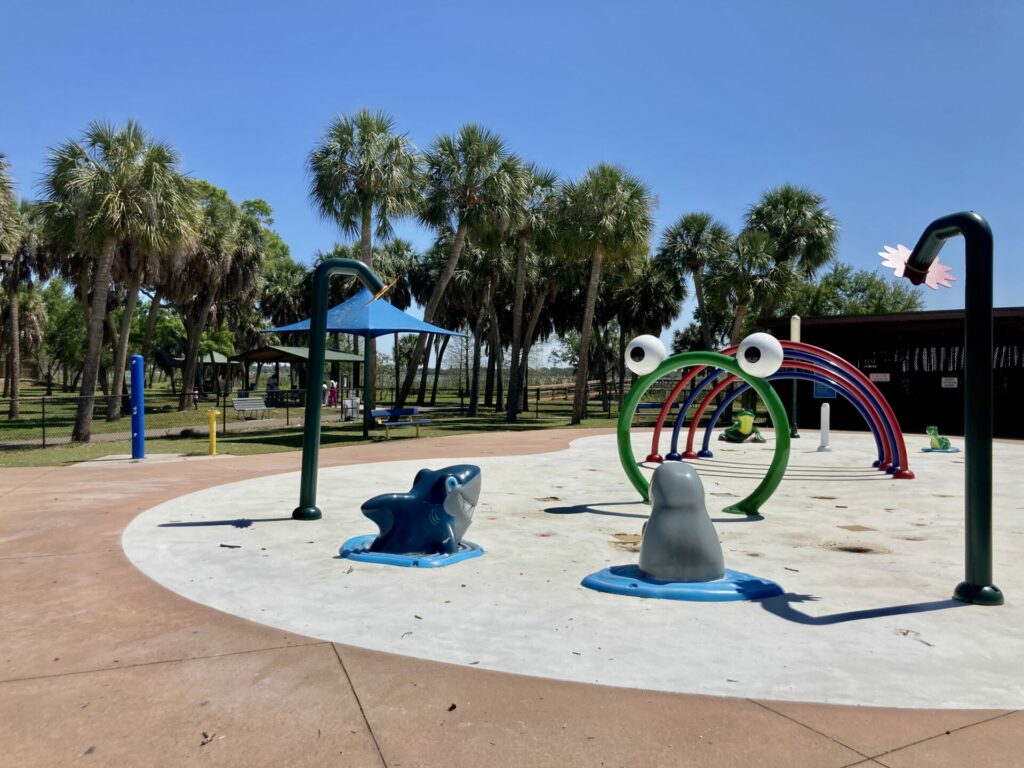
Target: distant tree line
519	257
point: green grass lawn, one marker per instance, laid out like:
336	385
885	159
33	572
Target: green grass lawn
288	438
161	413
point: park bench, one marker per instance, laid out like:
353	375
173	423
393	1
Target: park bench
244	405
393	418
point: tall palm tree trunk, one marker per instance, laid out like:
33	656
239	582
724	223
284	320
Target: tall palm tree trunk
474	384
431	310
421	398
512	403
531	329
438	355
151	318
737	324
14	341
97	313
622	360
7	366
698	290
489	378
499	380
365	256
193	335
579	402
83	291
121	354
498	353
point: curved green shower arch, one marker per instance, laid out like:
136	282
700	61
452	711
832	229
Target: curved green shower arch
780	459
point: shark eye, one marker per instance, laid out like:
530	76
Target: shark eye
760	354
451	484
644	354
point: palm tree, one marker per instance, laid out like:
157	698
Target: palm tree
6	193
749	278
139	262
606	215
646	300
23	241
363	174
470	182
689	244
224	263
282	298
393	262
805	233
460	299
10	237
530	218
118	186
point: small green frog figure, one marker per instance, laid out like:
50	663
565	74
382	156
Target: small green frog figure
742	429
938	442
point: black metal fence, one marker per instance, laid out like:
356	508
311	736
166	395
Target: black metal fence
48	420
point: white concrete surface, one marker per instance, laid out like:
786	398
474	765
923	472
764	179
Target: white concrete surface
548	520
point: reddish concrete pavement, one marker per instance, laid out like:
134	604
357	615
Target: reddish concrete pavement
101	666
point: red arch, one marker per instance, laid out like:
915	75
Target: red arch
659	425
856	373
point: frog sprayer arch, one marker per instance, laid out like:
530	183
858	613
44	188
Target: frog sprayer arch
758	356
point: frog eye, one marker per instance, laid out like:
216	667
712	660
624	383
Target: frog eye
644	354
451	484
760	354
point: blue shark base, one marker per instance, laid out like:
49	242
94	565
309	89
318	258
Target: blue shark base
630	580
358	548
952	449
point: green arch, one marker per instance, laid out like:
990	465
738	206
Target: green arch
780	459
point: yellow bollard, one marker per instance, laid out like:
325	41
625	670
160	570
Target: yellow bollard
212	418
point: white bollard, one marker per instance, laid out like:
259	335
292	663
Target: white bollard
824	428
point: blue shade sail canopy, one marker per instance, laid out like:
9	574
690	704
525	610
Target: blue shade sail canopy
363	316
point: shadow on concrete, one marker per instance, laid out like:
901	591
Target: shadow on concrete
592	509
241	522
782	606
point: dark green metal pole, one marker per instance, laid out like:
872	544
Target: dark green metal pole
307	509
977	586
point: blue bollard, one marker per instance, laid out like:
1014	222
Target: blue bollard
138	368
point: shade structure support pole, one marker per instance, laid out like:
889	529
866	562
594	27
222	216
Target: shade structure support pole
307	509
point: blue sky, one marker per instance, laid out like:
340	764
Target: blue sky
896	112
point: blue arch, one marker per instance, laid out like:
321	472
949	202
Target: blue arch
800	355
673	455
799	376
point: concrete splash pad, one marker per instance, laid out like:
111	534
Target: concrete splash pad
867	562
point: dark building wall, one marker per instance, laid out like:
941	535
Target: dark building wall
917	362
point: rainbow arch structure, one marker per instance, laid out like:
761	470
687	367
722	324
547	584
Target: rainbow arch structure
803	362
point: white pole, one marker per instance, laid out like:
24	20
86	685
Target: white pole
824	428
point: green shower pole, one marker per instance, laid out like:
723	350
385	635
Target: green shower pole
307	509
977	586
